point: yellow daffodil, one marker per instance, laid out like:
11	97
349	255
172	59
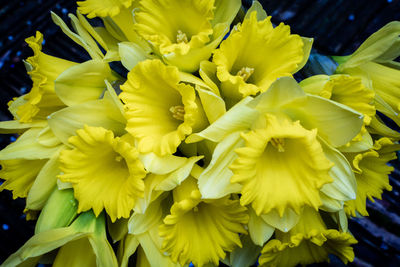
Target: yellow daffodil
308	242
281	166
44	70
160	111
371	171
254	55
104	170
185	32
288	103
83	243
200	231
374	62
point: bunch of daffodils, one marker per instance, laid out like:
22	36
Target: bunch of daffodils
201	147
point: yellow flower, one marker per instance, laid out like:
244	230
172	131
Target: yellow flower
254	55
374	62
335	124
185	32
308	242
160	111
44	70
281	166
371	170
83	243
104	170
198	230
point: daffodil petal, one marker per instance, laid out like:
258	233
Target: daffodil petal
283	223
344	185
225	11
259	230
214	106
47	138
126	249
19	175
330	204
44	184
177	177
258	8
336	123
245	256
140	223
376	45
214	181
83	82
131	54
208	72
238	118
14	126
283	91
152	251
101	113
27	147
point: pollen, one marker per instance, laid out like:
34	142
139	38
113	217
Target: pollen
278	143
181	37
245	73
178	112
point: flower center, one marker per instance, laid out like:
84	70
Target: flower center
178	112
245	73
118	158
181	37
278	143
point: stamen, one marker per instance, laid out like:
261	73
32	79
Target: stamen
178	112
118	158
196	209
245	73
278	143
181	37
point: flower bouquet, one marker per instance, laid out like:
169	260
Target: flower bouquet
185	140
